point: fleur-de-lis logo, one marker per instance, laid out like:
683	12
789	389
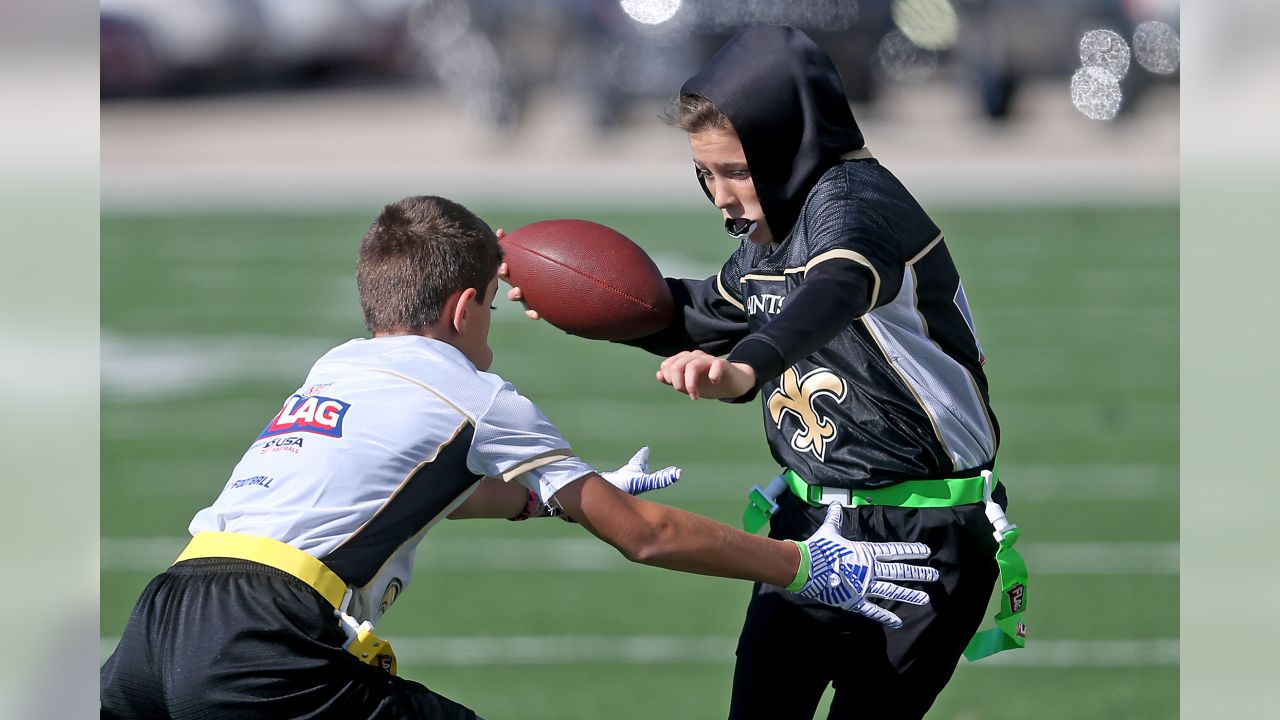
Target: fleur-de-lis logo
796	396
389	595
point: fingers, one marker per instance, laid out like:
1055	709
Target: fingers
692	373
889	591
640	461
663	377
879	614
670	475
515	294
698	374
906	571
898	550
500	233
663	478
835	517
671	371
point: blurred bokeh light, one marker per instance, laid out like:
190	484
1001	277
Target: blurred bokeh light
931	24
650	12
1105	49
1156	47
903	60
1096	92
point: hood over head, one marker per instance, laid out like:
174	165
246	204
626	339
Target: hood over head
786	100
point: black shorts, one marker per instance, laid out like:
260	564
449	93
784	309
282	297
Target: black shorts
218	638
792	648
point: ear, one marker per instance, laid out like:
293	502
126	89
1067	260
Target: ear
460	311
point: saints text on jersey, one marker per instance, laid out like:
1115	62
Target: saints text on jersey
766	303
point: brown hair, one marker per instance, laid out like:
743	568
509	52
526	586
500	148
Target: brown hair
695	114
417	253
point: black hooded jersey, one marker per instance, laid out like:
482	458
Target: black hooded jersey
856	323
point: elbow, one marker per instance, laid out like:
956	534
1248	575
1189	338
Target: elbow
648	544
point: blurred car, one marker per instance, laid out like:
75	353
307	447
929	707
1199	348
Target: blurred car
151	46
160	46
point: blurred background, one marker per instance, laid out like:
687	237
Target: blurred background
298	102
247	144
496	55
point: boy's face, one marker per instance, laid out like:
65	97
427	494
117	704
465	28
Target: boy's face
474	343
722	165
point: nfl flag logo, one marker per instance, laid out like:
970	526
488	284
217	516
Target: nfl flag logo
313	414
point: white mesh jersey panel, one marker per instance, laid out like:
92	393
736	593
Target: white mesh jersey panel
515	440
944	388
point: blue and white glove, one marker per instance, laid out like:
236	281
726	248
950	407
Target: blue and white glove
844	573
634	478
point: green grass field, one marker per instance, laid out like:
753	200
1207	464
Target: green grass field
209	321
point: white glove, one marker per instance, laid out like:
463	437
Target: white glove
844	573
634	478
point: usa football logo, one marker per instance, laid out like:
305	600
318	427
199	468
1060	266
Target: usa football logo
313	414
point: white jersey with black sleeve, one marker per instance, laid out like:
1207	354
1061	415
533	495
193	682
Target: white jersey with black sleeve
384	438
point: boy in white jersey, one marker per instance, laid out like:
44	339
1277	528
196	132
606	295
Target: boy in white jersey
268	612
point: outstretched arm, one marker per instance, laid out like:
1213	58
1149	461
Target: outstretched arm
826	567
494	498
667	537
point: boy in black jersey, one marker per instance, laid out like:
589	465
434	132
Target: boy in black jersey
842	309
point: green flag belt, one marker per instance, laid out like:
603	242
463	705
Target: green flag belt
1010	630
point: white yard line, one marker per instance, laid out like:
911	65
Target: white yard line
1101	558
158	368
153	554
658	649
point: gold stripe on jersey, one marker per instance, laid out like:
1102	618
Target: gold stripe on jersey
775	278
725	294
433	391
927	248
535	462
915	305
849	255
838	254
862	153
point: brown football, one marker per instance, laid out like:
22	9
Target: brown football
587	279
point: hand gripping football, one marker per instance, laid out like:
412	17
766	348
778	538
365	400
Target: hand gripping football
587	279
